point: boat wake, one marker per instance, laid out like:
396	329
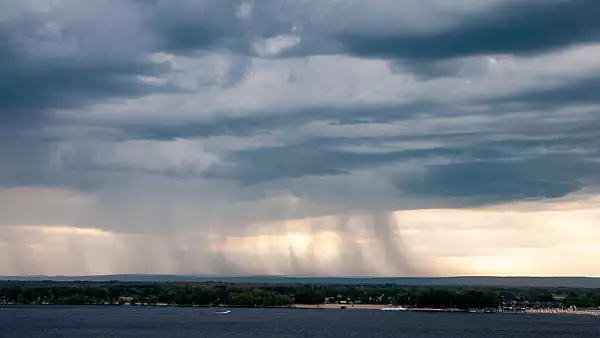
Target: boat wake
394	309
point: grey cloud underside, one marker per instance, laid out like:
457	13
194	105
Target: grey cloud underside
513	27
211	25
269	120
577	92
504	165
314	158
219	29
323	160
496	171
32	85
494	182
215	25
28	162
514	143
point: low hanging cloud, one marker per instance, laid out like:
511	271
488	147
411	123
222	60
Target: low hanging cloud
208	126
60	55
578	92
508	27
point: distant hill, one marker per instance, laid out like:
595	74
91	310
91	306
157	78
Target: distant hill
579	282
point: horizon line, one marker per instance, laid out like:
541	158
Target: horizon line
290	276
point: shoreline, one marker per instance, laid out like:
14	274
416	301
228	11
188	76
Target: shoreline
325	307
379	307
338	306
564	312
351	307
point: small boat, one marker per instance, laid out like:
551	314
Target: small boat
226	312
394	309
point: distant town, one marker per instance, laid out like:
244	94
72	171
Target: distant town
482	299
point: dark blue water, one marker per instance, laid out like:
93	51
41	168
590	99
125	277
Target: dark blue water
193	322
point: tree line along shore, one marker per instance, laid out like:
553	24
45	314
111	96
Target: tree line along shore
289	295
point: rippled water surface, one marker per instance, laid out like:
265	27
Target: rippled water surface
52	321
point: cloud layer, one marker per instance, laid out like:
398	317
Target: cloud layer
173	118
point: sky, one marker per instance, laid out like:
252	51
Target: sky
300	137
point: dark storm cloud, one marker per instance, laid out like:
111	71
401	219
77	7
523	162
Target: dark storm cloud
32	83
426	69
267	121
496	163
495	181
188	27
545	159
316	159
30	162
204	25
511	27
576	92
185	35
28	87
537	160
514	27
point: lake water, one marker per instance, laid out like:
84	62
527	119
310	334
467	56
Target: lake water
51	321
